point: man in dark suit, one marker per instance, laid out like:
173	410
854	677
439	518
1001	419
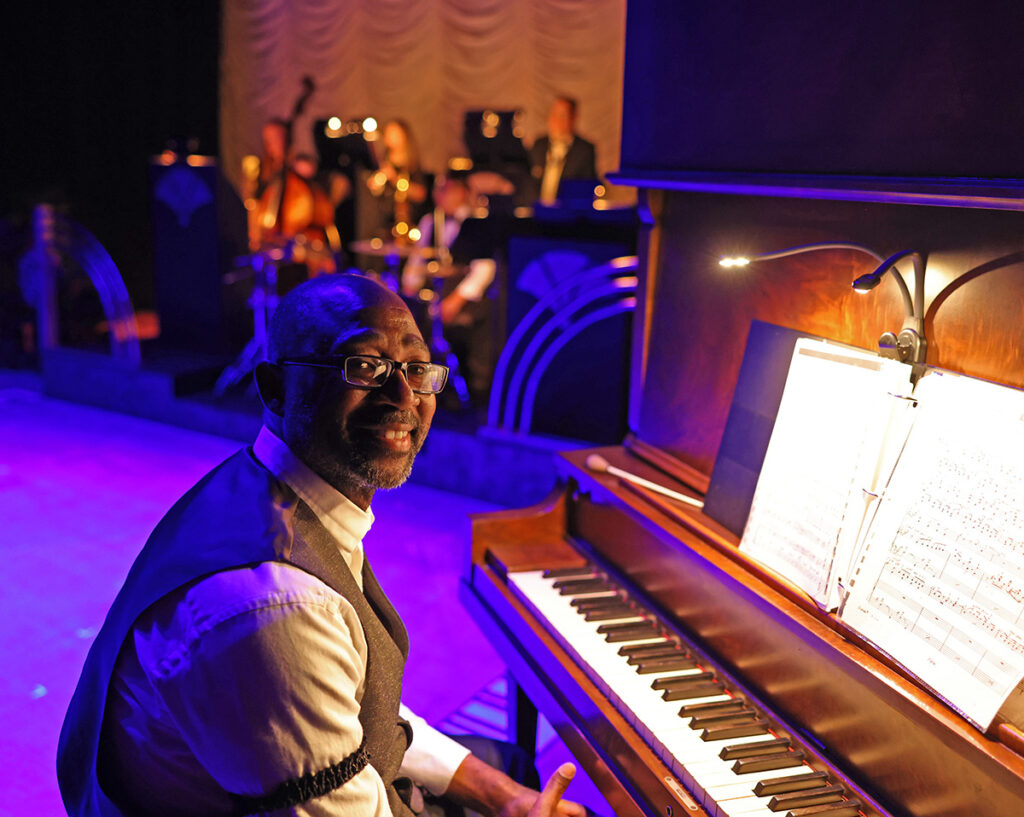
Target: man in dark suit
561	153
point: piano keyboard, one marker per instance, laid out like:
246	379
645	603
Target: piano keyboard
722	748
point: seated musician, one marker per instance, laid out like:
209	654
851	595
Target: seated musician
461	273
252	663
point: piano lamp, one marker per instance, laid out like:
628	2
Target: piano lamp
910	344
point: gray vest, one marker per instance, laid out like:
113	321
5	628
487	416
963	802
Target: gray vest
238	514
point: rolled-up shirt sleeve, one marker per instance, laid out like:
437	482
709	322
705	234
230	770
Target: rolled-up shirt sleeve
432	758
266	688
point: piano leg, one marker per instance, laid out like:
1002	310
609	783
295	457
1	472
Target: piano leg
522	719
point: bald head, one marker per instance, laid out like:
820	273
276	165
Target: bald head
307	320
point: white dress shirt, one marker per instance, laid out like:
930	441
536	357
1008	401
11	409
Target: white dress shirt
553	166
190	691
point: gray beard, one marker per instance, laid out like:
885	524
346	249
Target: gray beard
365	472
369	475
354	468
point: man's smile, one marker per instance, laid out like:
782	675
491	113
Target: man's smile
394	432
394	436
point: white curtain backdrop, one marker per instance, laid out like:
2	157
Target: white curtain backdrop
426	61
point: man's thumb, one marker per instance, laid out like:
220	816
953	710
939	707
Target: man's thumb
555	788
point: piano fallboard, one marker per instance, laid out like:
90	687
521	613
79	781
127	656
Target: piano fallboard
889	742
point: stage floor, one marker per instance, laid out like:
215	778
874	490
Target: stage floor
80	489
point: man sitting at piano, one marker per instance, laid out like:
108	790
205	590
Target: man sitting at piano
252	663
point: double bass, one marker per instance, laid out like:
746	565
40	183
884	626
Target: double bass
288	211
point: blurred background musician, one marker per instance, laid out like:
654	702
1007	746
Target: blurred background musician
561	153
290	213
399	183
319	246
457	281
274	140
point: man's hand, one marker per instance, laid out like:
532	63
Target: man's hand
549	802
488	791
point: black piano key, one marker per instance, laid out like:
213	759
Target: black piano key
808	797
663	651
604	629
609	613
846	808
690	710
614	633
756	749
758	726
576	587
667	664
691	692
765	763
674	681
585	603
643	649
568	572
778	785
627	635
723	718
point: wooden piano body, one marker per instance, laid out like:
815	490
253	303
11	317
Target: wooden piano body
901	749
890	741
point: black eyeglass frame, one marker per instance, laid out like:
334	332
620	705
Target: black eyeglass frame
339	362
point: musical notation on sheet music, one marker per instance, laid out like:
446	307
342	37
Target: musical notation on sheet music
941	588
824	447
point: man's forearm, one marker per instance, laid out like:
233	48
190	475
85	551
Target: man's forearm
481	787
484	789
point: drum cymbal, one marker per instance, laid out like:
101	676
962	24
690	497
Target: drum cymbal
382	249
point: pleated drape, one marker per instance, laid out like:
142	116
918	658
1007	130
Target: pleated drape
426	61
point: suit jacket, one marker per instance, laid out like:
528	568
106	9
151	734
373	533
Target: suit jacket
580	161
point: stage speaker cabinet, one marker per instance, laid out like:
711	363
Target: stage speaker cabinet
199	227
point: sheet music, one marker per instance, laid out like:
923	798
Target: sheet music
941	588
824	448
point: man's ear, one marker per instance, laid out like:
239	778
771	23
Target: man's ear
270	385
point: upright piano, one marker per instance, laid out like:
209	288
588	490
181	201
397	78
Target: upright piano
684	678
686	681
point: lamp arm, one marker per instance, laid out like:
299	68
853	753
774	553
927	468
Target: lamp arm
910	345
919	290
832	245
910	310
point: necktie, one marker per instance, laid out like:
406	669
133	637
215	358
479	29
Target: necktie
553	172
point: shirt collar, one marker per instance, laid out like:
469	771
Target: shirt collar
344	520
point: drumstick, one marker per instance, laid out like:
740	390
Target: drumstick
595	462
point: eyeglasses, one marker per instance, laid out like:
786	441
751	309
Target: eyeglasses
369	372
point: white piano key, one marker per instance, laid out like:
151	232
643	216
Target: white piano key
735	808
743	784
694	761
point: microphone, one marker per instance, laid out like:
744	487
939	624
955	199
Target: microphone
595	462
